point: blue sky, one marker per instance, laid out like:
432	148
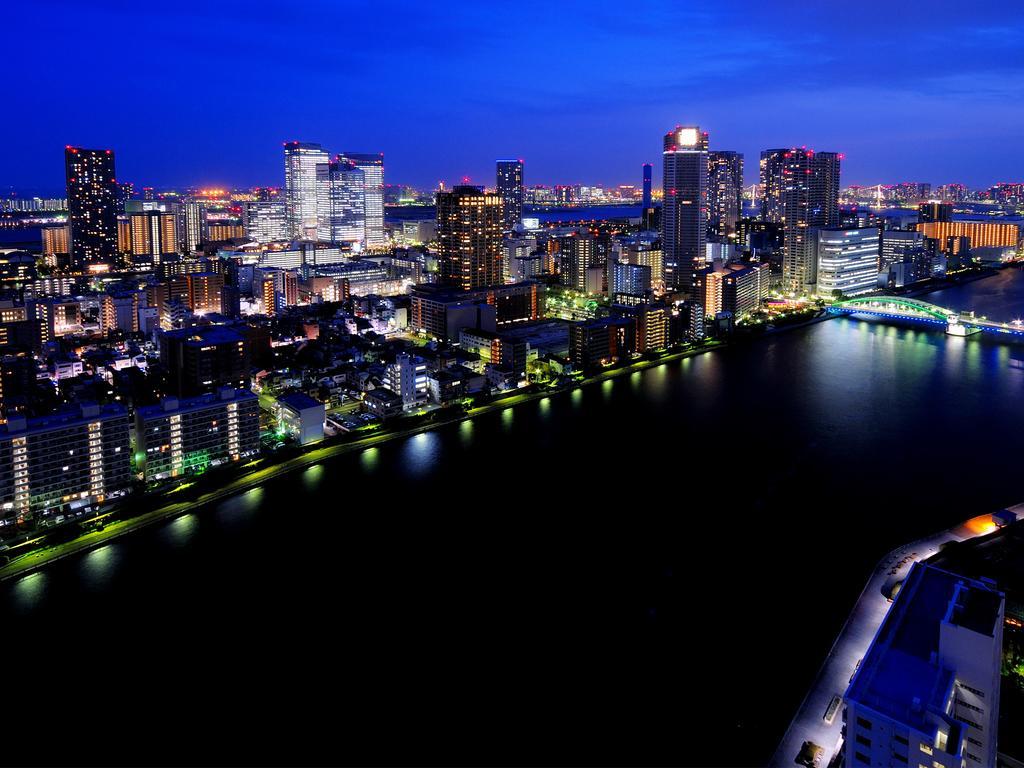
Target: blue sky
204	93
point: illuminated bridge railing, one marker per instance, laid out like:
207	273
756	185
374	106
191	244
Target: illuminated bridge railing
900	308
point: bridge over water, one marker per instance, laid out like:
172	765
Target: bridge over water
906	309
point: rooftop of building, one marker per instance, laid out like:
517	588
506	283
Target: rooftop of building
206	334
299	401
384	395
998	556
900	676
169	405
66	417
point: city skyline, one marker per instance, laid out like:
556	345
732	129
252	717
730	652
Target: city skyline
775	84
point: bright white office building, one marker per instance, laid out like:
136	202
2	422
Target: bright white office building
847	260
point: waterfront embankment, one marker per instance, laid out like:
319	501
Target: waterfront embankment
167	507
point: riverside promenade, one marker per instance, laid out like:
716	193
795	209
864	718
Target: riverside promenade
167	506
809	724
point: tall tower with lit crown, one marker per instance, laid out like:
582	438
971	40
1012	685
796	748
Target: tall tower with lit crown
684	203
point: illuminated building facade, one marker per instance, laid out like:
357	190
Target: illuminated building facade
120	311
684	204
509	183
808	183
180	437
441	312
372	166
897	246
62	461
191	221
576	255
300	185
265	221
934	211
220	230
647	205
771	186
92	206
982	234
628	282
653	324
154	235
594	343
469	237
407	378
203	359
725	192
56	241
847	260
340	202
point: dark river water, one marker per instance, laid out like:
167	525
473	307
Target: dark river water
648	570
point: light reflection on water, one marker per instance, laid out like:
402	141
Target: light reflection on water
311	477
100	564
420	452
466	433
181	529
369	459
29	590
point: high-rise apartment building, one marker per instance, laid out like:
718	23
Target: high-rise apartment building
372	166
807	184
469	237
154	235
92	206
341	207
199	360
63	461
510	190
772	162
576	255
934	211
179	437
684	203
191	226
300	182
725	192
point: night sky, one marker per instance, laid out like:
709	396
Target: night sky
205	92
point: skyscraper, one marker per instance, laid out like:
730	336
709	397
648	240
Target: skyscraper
372	166
341	208
191	226
934	210
771	184
92	206
683	227
647	212
300	162
510	189
469	227
804	187
725	192
265	220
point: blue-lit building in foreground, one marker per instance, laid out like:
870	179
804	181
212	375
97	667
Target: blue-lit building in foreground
927	692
